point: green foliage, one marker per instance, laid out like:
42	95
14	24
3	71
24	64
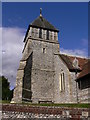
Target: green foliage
6	92
81	105
72	105
5	101
69	105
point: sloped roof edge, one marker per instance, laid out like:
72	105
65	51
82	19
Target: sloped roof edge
68	60
85	70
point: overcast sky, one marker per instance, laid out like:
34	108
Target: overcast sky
70	18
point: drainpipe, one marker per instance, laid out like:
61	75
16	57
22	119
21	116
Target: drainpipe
76	86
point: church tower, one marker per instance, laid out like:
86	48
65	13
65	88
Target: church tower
36	73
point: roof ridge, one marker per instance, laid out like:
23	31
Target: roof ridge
74	56
41	17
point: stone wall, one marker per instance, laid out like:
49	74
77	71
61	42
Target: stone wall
42	81
69	94
84	95
27	112
38	72
27	93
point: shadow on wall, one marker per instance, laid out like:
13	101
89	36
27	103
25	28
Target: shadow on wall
27	93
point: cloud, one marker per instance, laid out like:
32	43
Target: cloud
75	52
12	46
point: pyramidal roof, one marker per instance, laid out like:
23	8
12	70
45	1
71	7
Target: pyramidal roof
41	22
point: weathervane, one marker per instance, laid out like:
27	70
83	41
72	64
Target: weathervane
40	12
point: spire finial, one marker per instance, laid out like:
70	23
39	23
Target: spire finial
40	12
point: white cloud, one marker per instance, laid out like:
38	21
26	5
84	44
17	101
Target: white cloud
12	46
75	52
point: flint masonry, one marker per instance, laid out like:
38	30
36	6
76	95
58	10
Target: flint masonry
45	75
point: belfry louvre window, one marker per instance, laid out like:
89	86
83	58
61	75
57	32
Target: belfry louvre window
62	82
33	32
47	34
40	33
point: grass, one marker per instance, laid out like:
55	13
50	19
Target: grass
72	105
4	101
67	105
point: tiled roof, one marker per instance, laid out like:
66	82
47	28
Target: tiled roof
81	60
41	22
69	61
85	70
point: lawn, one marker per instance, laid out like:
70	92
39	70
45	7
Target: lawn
73	105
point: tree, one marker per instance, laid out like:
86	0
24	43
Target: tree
6	92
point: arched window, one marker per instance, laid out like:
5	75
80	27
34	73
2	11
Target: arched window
62	82
40	33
